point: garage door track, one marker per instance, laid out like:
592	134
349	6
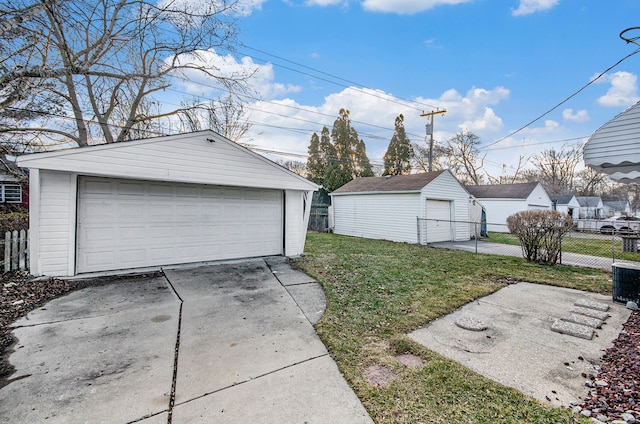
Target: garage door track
228	343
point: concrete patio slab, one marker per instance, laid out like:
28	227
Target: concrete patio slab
113	367
247	317
311	299
518	349
107	353
309	392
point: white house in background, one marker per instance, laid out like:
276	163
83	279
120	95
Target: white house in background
167	200
418	208
503	200
616	208
566	203
591	207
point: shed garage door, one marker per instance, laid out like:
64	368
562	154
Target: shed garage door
438	221
127	224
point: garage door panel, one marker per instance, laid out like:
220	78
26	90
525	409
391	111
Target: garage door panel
438	221
126	224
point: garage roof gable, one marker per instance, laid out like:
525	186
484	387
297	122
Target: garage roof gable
202	157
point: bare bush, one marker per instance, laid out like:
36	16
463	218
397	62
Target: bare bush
540	233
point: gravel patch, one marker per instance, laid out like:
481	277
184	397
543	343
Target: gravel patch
615	392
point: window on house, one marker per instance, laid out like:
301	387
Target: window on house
11	193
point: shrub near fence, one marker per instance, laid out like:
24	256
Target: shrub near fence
582	248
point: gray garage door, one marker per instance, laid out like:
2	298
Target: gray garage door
128	224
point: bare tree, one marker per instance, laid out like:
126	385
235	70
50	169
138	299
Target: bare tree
102	62
590	182
295	166
508	177
420	159
464	158
225	116
555	169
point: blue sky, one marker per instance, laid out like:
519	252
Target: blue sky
494	65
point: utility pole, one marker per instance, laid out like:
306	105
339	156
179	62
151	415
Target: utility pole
430	132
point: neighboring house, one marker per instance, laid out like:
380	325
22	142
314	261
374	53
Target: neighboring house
503	200
614	148
418	208
185	198
616	208
566	203
591	207
14	190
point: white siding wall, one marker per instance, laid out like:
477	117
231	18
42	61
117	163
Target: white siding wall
56	224
187	158
294	226
378	216
539	199
446	187
499	209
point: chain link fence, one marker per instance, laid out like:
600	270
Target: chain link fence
588	248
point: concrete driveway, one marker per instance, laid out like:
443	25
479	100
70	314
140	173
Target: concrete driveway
225	343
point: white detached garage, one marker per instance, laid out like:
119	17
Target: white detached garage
418	208
167	200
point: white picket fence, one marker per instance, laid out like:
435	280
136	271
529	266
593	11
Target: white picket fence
16	251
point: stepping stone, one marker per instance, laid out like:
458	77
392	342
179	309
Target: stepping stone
409	360
571	329
586	303
470	323
590	313
584	320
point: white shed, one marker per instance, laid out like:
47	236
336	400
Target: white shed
503	200
160	201
591	207
566	203
422	208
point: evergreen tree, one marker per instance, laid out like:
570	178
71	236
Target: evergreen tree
363	166
338	156
397	159
341	135
315	167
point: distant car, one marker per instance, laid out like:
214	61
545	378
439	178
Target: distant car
621	225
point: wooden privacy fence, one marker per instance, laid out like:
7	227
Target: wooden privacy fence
16	251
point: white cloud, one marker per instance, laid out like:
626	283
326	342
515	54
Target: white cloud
260	78
578	116
528	7
623	91
373	113
323	2
406	6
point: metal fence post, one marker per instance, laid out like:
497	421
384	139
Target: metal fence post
613	246
475	226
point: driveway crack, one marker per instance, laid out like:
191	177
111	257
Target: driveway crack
172	397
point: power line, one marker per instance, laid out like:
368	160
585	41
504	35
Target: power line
563	101
403	102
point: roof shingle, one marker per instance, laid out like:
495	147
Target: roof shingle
502	191
413	182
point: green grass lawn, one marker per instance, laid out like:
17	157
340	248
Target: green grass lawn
597	245
378	291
